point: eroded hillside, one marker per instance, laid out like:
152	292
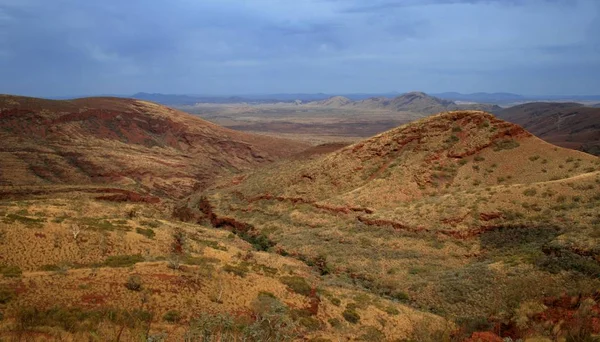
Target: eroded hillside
121	142
460	214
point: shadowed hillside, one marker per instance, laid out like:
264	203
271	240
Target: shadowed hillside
122	142
570	125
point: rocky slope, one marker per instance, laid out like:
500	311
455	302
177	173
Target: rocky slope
570	125
459	213
122	142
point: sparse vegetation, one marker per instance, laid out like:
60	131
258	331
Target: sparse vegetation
297	284
508	144
375	235
123	260
6	295
172	316
134	283
239	270
10	271
25	220
351	316
147	232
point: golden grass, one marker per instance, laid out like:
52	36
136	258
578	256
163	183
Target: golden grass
90	273
396	213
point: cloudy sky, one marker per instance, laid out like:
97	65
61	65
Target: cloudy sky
76	47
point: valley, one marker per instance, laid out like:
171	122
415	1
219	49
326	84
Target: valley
124	220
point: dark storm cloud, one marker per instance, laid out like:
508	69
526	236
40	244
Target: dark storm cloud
227	46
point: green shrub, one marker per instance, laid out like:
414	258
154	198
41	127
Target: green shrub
10	271
310	323
27	221
172	316
123	260
351	316
268	327
267	303
200	261
6	295
147	232
336	301
151	224
390	310
371	334
530	192
557	259
478	158
322	265
78	319
239	270
260	242
507	144
50	268
212	244
134	283
297	284
334	322
400	296
534	158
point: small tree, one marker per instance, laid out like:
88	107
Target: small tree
75	230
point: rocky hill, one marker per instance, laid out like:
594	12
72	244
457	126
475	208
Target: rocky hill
124	143
335	102
570	125
461	213
456	227
415	102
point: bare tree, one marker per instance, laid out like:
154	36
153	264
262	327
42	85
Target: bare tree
75	230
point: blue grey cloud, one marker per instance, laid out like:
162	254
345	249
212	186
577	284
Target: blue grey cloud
68	47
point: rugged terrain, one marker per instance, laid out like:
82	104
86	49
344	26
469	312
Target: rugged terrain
570	125
455	227
121	142
74	267
90	247
460	214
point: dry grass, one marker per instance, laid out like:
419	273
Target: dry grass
405	235
395	213
110	267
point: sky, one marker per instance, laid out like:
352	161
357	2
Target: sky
222	47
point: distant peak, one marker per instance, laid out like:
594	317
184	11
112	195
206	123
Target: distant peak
416	93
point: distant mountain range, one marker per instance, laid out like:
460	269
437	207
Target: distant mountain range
482	97
416	102
491	98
